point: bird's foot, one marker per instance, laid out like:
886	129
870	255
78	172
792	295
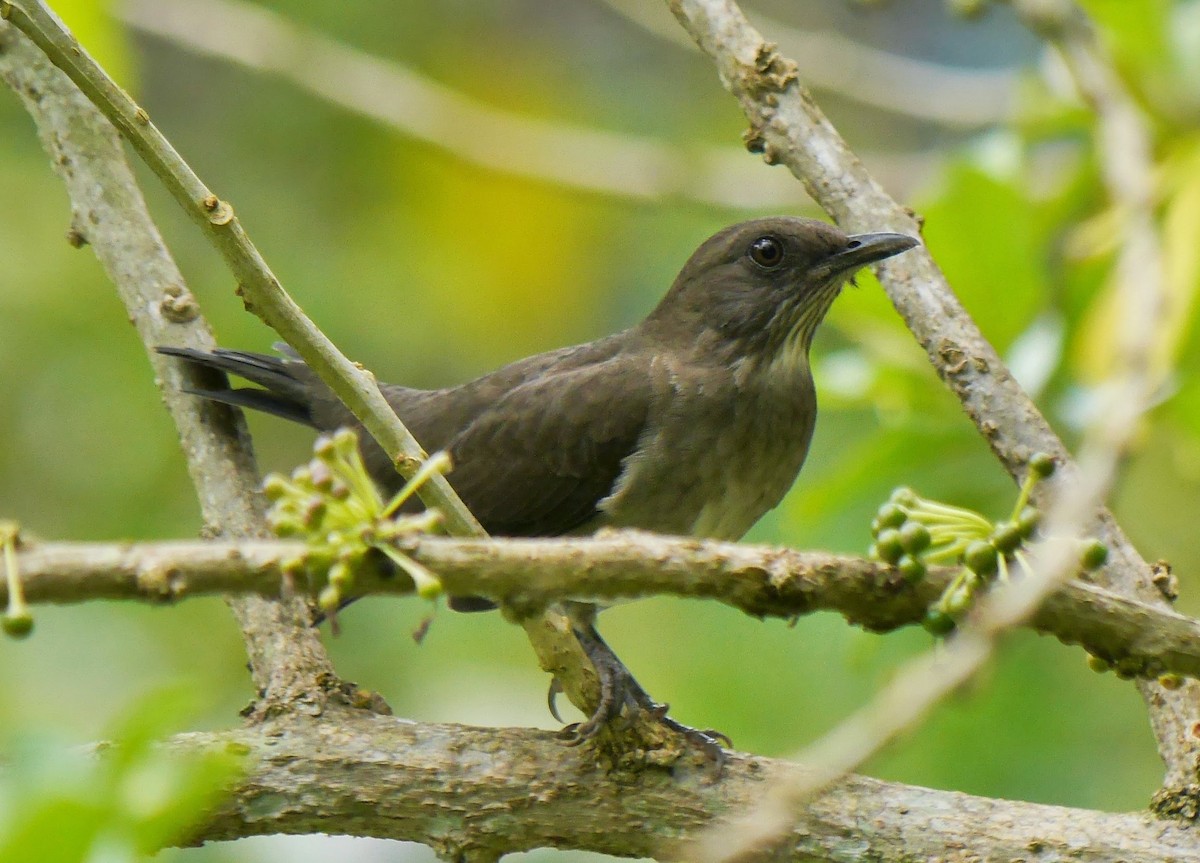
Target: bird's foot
623	701
709	741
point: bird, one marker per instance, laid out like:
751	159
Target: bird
693	422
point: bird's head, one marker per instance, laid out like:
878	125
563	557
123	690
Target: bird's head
758	289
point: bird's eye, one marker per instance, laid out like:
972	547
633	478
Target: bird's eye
767	252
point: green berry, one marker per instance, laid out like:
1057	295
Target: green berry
1094	555
1028	521
914	537
888	545
891	515
938	623
1098	665
911	568
1007	537
980	557
1042	465
876	526
873	552
17	624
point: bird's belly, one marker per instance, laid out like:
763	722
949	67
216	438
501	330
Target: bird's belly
717	484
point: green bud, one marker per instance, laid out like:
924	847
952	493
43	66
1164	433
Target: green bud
322	476
338	490
1006	537
915	537
324	448
1094	555
888	544
1042	465
1028	521
329	599
314	512
302	477
873	552
17	624
980	557
904	496
341	576
1098	665
938	623
876	526
284	524
891	515
274	487
346	441
292	565
911	568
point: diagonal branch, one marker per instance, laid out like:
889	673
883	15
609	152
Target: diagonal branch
286	659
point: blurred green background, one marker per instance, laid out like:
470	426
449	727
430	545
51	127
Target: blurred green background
430	267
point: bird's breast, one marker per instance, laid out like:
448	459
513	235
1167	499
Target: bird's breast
718	455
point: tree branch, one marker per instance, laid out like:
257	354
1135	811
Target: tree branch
479	793
1140	639
286	660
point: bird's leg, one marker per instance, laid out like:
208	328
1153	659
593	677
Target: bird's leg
619	689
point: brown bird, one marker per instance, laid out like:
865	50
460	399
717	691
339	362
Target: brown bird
693	422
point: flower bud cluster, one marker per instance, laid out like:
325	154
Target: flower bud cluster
910	532
333	505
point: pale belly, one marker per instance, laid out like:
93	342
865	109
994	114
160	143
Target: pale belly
734	467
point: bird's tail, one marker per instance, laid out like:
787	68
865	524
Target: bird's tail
283	392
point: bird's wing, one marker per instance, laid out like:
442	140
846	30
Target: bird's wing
538	460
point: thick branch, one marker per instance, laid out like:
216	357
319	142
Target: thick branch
759	580
482	792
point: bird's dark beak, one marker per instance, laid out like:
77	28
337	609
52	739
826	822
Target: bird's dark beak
865	249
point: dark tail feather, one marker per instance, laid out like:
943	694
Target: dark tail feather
283	394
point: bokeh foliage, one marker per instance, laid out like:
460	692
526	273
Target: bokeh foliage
431	270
